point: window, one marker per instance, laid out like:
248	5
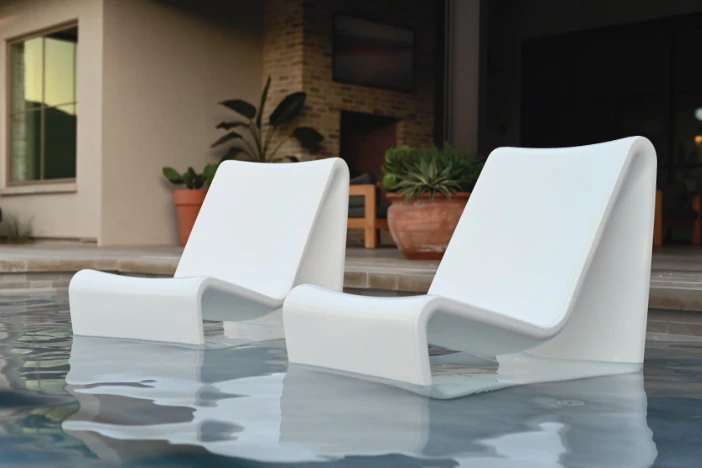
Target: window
42	107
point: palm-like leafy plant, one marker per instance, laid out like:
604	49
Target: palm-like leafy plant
247	134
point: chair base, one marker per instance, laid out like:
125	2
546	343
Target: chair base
458	375
323	329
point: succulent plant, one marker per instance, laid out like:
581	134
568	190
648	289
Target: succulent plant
414	172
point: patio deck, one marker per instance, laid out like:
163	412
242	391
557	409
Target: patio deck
676	280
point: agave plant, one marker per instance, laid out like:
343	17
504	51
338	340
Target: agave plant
249	140
426	177
414	172
190	178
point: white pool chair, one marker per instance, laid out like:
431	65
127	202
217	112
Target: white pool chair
552	255
262	229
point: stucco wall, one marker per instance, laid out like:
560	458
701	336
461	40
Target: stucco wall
167	65
76	212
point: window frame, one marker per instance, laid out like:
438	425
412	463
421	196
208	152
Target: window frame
8	106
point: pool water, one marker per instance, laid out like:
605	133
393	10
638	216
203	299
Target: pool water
93	402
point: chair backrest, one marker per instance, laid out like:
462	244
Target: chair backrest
531	226
254	226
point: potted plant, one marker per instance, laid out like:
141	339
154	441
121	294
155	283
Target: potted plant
252	143
428	189
188	200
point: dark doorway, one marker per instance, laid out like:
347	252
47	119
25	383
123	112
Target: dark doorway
635	79
364	140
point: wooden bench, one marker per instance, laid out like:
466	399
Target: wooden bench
370	223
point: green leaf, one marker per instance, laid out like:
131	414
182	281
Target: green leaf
389	182
228	137
189	178
307	136
293	159
230	125
444	191
209	173
264	96
288	109
231	153
172	175
199	181
241	107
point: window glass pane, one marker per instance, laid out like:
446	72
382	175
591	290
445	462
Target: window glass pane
25	146
60	142
26	69
60	68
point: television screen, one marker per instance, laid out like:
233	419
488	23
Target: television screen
373	54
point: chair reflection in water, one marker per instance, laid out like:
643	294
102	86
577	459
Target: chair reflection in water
256	410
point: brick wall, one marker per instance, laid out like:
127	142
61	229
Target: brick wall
282	56
298	55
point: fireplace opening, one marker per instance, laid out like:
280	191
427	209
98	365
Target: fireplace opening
364	139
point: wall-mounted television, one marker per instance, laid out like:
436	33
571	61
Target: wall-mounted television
369	53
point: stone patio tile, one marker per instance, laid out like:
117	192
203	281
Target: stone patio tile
657	327
675	298
355	279
8	266
693	317
685	329
677	316
671	337
164	268
415	283
388	281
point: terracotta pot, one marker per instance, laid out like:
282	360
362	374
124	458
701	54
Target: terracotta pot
422	228
188	203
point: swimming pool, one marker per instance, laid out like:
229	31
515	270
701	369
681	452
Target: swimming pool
111	403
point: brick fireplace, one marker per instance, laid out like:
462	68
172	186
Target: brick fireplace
364	139
298	55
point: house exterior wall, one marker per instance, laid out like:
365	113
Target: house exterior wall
298	55
166	68
60	210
